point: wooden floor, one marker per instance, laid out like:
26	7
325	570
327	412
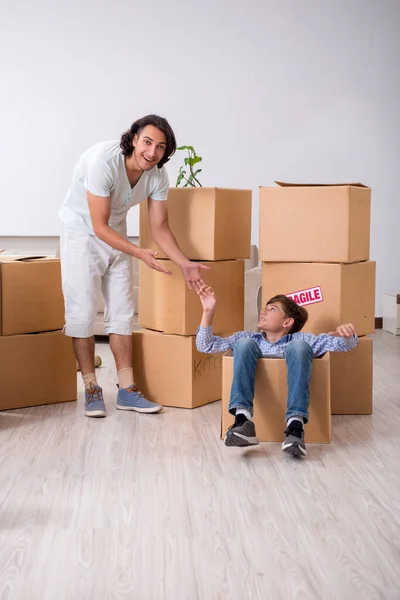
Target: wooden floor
150	507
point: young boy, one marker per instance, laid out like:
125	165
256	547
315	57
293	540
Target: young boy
280	323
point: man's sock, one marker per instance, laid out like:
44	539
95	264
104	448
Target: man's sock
243	411
295	418
89	380
125	377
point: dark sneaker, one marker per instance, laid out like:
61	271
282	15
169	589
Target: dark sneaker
132	399
294	439
94	403
241	433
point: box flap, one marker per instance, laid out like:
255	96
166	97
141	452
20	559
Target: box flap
29	258
18	258
286	184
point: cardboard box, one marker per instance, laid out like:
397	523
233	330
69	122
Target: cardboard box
37	368
391	313
270	399
168	369
351	380
166	304
31	298
315	223
208	223
333	294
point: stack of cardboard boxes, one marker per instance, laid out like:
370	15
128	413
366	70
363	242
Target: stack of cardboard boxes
314	247
37	362
213	226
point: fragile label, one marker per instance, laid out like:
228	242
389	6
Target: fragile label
308	296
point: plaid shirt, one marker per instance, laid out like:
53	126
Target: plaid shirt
211	344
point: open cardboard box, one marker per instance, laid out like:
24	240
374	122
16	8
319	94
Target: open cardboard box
270	399
31	298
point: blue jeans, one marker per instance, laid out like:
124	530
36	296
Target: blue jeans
298	355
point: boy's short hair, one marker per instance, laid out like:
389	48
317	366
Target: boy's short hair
292	310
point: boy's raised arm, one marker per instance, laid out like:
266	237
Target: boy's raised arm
206	341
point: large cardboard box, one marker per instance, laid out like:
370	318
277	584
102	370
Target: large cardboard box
31	298
315	223
168	369
332	293
270	399
166	304
208	223
351	380
37	368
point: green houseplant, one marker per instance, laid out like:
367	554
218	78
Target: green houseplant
185	179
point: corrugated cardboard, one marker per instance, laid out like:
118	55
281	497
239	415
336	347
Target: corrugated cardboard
208	223
270	399
169	370
351	380
315	223
37	368
31	298
339	293
166	304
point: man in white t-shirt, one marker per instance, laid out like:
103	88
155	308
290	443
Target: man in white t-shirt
108	179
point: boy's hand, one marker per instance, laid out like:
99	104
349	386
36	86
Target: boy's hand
207	297
346	331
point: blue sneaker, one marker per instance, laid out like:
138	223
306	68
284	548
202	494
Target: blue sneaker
94	403
132	399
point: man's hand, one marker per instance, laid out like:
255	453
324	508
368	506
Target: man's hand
207	297
191	273
346	331
149	258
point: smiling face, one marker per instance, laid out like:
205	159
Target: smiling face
149	147
273	319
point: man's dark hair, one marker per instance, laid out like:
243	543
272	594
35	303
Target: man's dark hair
292	310
161	124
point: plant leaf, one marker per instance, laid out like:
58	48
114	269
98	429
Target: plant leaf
179	179
182	148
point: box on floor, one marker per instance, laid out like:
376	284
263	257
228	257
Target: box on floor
35	369
351	380
270	399
31	298
333	294
169	370
166	304
310	223
208	223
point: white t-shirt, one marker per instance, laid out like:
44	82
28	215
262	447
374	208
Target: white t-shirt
101	171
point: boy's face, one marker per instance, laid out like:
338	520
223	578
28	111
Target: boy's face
273	318
150	147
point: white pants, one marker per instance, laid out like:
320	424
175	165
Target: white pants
89	265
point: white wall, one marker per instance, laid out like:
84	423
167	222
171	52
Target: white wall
265	90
